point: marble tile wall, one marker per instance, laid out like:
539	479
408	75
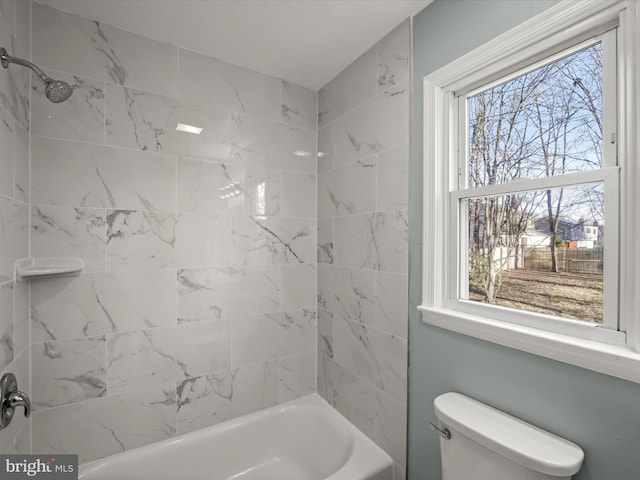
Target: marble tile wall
198	301
14	213
362	252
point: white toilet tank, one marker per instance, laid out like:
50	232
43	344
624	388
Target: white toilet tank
487	444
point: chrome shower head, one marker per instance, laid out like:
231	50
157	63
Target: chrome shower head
56	91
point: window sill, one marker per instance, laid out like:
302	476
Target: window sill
614	360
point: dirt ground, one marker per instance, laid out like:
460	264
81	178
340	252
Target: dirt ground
572	295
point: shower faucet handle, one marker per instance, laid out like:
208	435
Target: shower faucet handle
11	398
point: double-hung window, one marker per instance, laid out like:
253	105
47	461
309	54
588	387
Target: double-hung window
531	163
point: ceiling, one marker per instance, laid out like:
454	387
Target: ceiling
303	41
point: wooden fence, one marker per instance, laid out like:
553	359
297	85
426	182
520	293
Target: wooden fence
571	260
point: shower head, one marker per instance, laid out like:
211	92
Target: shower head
56	91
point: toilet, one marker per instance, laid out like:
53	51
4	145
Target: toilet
487	444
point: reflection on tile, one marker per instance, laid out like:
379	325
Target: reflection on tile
84	175
207	80
325	333
348	189
211	399
346	291
299	105
203	239
297	376
393	179
378	357
68	371
297	286
352	87
393	57
325	240
223	293
298	195
73	44
149	357
376	126
140	239
6	324
99	303
114	424
14	235
21	164
81	117
272	335
325	149
392	301
64	232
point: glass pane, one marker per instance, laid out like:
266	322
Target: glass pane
544	123
539	251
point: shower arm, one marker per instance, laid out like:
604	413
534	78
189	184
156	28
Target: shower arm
6	59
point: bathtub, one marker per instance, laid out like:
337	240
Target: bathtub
304	439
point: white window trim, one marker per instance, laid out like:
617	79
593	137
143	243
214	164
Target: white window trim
559	25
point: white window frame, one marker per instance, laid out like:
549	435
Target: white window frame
587	345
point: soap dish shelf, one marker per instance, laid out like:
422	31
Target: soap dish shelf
48	267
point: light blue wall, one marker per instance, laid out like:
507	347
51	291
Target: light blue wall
599	412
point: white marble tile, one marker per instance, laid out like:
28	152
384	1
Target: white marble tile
394	52
391	426
297	376
399	471
297	195
10	436
203	240
68	371
297	286
393	179
273	240
65	232
346	291
376	126
223	293
14	235
325	333
376	241
211	399
150	357
392	302
139	239
22	17
378	357
21	316
81	117
77	45
272	335
7	9
353	397
352	87
14	81
208	80
21	444
325	148
6	324
84	175
348	189
225	188
99	303
7	139
325	240
21	188
299	106
113	424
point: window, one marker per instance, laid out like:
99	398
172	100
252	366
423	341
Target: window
531	161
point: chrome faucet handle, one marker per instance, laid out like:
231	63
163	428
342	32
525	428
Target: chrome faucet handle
20	399
11	398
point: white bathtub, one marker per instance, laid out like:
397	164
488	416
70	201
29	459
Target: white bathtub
300	440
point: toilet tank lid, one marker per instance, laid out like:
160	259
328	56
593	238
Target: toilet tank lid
508	436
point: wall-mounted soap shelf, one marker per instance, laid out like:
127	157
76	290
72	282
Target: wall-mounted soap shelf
32	268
